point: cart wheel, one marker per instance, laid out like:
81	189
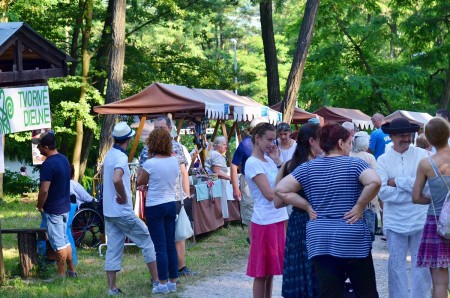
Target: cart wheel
87	226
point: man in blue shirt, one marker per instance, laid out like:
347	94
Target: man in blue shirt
378	139
54	201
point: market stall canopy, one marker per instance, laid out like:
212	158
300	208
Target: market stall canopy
340	115
181	101
300	116
414	117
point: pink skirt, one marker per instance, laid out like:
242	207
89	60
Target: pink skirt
434	251
266	250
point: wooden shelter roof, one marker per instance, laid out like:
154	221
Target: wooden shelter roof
26	57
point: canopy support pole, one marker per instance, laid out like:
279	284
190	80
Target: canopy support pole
179	126
137	138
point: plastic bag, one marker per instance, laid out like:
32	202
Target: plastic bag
183	228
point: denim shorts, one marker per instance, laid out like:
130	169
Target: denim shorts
56	229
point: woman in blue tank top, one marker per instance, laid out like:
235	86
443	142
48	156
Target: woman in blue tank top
434	251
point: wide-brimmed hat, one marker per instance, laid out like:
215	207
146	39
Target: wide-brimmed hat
46	138
399	126
122	131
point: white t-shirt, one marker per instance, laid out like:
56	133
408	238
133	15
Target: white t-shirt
116	159
264	212
286	154
80	193
163	174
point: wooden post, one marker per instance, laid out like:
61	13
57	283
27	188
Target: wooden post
137	138
179	127
2	262
27	252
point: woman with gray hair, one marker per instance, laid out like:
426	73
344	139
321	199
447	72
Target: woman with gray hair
360	145
216	163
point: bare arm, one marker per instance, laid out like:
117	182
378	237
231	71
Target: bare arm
220	174
142	178
277	201
185	180
263	185
120	188
234	181
43	194
287	192
372	184
417	195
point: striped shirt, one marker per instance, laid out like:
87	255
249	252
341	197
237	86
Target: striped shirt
332	187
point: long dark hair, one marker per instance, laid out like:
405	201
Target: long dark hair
303	150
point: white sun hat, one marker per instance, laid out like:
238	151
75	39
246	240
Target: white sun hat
122	131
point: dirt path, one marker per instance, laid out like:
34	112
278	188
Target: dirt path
236	284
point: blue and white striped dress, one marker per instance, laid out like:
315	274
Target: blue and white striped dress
332	187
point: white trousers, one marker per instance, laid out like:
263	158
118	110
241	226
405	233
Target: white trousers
420	280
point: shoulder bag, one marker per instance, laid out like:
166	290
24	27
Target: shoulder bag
443	223
183	228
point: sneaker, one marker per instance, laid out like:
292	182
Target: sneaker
71	274
160	289
172	286
185	271
115	292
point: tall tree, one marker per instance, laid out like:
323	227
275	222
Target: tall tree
86	58
298	65
270	52
115	72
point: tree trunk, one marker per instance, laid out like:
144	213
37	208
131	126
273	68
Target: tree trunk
270	52
446	94
3	11
88	138
115	73
84	77
103	53
298	65
75	36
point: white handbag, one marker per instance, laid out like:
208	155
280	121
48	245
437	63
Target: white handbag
183	227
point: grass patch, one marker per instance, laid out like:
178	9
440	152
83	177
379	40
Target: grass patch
213	254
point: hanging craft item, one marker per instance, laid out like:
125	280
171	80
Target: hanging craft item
210	185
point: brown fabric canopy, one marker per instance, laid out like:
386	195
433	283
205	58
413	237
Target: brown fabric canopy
155	99
300	116
340	115
161	98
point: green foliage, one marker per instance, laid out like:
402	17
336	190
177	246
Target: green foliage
14	183
361	50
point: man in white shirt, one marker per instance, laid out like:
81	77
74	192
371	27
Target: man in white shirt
403	221
120	220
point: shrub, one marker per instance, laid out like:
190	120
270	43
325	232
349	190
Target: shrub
14	183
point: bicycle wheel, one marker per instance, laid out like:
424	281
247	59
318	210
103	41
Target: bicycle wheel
87	226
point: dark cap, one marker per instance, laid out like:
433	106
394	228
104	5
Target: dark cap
45	139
